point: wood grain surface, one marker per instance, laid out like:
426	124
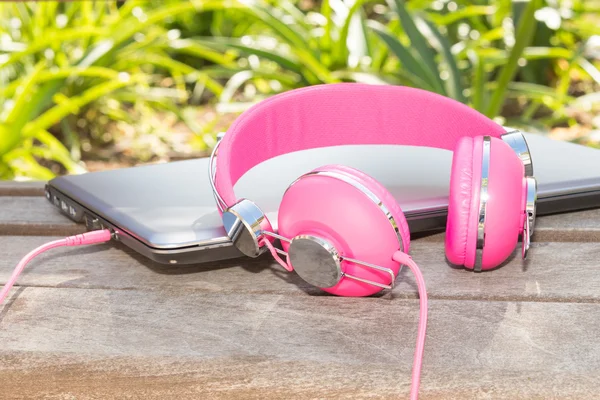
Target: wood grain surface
102	322
11	188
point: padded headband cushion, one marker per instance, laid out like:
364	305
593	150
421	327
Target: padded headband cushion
343	114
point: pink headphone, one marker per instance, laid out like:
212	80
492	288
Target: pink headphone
340	228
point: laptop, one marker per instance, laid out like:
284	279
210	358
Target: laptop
167	211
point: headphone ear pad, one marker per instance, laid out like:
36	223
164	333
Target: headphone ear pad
328	203
463	200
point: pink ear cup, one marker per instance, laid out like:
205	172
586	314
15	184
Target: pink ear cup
338	212
504	207
386	197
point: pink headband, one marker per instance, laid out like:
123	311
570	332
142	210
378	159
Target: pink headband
342	114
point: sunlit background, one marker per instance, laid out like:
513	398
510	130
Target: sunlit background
104	84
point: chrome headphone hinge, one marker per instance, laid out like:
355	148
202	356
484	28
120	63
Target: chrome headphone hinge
530	211
516	140
246	225
483	199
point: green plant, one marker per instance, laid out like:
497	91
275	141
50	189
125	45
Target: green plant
489	55
75	74
485	55
281	47
60	60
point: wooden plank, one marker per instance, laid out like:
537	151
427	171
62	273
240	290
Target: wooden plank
12	188
171	343
579	226
21	215
550	274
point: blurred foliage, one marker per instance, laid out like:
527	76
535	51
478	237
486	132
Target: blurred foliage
63	61
73	74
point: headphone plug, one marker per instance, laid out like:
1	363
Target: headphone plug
93	237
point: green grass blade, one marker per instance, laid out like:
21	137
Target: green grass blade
56	151
368	78
54	36
199	49
288	62
175	67
412	67
326	40
267	16
463	13
531	91
523	38
58	112
300	60
123	29
341	46
419	43
234	84
23	108
588	67
478	93
22	160
454	86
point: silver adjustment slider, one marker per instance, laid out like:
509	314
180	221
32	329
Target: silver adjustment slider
530	211
526	239
530	206
516	140
246	225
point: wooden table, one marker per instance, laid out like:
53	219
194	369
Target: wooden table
101	322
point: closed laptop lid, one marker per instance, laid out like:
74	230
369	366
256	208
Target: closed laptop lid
170	205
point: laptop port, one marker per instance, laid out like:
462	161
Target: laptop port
92	223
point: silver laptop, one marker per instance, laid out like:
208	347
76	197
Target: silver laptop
167	211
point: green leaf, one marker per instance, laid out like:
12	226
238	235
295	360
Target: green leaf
268	16
233	85
55	36
463	13
327	36
58	112
23	108
288	61
198	49
341	47
414	72
419	43
22	161
454	86
523	38
590	69
55	150
478	93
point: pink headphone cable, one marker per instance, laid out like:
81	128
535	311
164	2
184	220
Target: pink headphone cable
77	240
407	260
104	235
279	260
